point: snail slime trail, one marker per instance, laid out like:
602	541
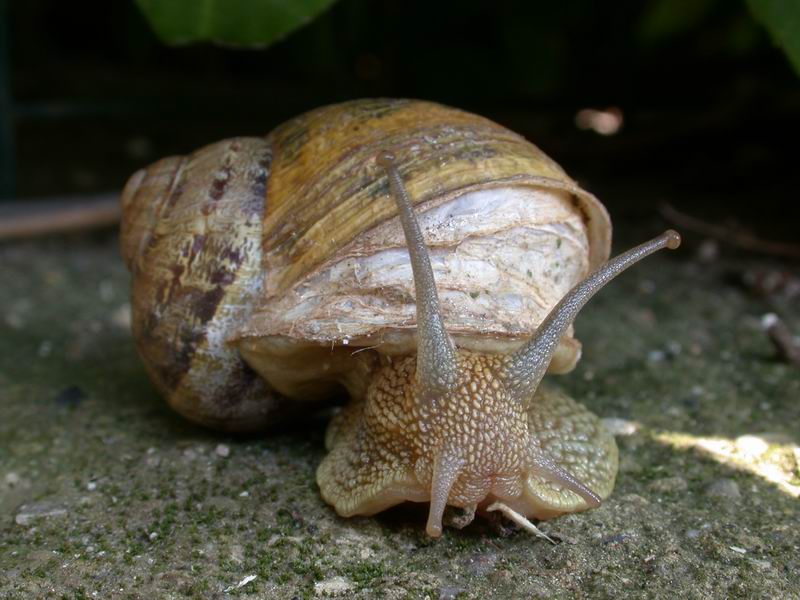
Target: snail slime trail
373	267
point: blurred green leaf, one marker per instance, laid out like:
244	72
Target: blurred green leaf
782	20
663	19
253	23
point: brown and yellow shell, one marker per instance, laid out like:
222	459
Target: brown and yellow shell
280	256
191	236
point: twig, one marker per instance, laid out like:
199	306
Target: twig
20	219
728	235
787	345
519	519
768	282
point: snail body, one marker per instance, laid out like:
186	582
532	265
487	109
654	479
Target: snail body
273	272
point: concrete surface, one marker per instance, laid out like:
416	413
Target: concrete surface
105	493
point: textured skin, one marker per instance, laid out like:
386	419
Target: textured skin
383	449
577	440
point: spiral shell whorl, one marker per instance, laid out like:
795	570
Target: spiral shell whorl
191	236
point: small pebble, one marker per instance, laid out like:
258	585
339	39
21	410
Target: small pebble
751	445
121	317
450	593
334	586
674	348
153	536
769	320
693	533
223	450
725	489
708	251
91	486
620	427
12	479
15	321
45	348
615	539
480	564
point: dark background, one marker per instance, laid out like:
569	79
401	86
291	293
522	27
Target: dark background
711	108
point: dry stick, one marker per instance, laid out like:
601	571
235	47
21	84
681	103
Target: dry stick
726	234
519	519
20	219
787	345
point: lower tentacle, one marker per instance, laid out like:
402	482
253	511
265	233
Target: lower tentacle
446	469
548	469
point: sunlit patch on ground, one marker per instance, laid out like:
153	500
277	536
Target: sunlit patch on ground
774	457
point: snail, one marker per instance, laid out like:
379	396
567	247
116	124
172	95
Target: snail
425	261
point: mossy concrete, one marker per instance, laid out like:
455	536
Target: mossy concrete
104	492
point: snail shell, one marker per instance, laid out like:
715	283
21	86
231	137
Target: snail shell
191	236
273	259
